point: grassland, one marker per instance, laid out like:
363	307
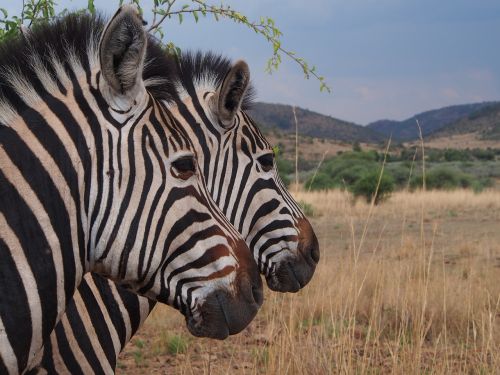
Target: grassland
411	286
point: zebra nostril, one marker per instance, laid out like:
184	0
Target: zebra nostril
257	294
315	253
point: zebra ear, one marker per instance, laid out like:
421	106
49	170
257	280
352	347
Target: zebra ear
122	49
230	94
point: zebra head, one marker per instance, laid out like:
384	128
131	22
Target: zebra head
156	229
240	171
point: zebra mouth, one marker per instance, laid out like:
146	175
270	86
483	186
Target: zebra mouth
211	321
290	275
222	314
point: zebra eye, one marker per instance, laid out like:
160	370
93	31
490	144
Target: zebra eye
266	161
184	166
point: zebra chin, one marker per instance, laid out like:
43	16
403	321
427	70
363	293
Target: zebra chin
295	271
227	311
223	313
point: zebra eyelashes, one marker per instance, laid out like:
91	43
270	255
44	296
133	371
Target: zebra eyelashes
184	167
266	161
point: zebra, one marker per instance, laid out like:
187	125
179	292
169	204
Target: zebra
95	176
282	240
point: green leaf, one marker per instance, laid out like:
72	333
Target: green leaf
195	15
276	150
90	6
180	17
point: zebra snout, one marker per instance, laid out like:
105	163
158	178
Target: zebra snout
293	272
227	311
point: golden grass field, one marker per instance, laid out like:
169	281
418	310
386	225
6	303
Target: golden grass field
411	286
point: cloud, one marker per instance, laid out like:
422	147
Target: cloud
449	93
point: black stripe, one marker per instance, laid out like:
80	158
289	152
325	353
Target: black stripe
98	322
65	351
111	180
234	171
275	224
14	308
81	336
243	181
40	181
130	185
106	295
154	204
61	111
146	185
131	303
38	254
221	179
264	210
47	361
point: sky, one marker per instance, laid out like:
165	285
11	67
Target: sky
383	59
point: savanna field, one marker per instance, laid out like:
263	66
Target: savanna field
409	286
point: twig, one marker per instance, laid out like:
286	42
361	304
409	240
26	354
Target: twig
316	171
296	150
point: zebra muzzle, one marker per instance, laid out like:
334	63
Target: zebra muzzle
292	273
227	312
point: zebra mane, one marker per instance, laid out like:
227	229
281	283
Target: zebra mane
206	70
36	63
51	53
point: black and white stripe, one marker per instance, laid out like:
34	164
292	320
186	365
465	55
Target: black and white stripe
94	176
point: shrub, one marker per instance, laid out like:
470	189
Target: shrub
444	178
456	155
372	186
482	154
400	173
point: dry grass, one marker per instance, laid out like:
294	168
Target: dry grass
408	287
459	141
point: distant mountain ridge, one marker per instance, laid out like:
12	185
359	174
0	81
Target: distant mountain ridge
430	121
479	120
280	116
482	124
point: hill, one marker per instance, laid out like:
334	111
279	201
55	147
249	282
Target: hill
280	117
484	124
430	121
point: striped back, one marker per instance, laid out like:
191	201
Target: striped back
95	176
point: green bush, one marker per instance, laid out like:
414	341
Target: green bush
482	154
452	154
373	186
444	178
400	173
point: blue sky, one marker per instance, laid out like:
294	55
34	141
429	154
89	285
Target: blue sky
382	58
